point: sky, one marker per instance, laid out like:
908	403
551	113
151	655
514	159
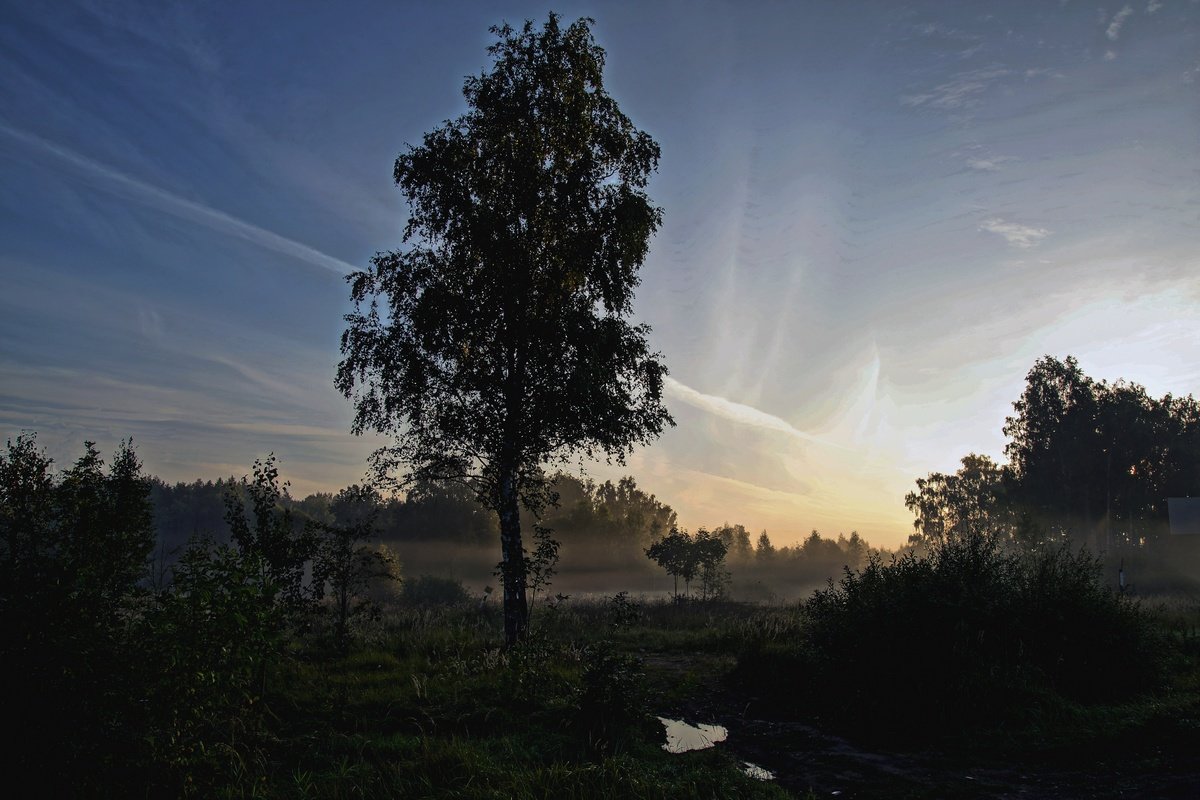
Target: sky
877	216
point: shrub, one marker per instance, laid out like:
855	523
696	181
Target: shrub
612	699
623	612
213	641
970	634
434	590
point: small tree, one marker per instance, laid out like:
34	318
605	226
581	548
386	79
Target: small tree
212	639
673	554
283	548
345	563
503	345
709	552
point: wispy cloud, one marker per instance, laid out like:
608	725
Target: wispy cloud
181	207
983	159
939	34
1015	233
938	30
739	412
961	91
1118	21
1152	6
991	164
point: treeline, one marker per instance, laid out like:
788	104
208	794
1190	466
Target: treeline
602	529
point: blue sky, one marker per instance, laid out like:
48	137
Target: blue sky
877	216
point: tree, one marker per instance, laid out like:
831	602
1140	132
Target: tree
736	540
1087	455
685	556
709	556
504	346
283	547
635	515
675	554
764	551
969	502
345	562
1055	448
72	553
26	524
856	550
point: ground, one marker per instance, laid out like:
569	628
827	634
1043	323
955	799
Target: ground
1155	761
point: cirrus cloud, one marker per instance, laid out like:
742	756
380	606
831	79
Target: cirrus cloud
1014	233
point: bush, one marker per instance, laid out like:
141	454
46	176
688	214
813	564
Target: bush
969	635
622	612
213	641
433	590
612	700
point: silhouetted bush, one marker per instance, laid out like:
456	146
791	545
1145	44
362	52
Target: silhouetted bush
434	590
612	699
970	634
623	612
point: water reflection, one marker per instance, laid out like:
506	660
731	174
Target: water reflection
682	737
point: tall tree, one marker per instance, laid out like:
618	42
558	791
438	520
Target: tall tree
764	550
504	345
1054	439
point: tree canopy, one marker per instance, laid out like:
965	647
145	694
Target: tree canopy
502	344
1088	461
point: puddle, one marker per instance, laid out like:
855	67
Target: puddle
682	737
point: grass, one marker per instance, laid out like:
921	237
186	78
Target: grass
429	705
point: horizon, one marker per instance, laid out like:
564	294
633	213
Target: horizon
876	220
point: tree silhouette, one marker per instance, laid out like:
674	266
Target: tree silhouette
675	554
969	502
344	561
503	343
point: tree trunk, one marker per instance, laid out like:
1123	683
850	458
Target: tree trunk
512	565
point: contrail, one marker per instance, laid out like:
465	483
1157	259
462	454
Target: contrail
740	413
182	207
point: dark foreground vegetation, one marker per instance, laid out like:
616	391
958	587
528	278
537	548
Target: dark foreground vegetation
251	672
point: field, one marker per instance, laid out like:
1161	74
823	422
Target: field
428	704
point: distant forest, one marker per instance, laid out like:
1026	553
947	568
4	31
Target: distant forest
603	529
